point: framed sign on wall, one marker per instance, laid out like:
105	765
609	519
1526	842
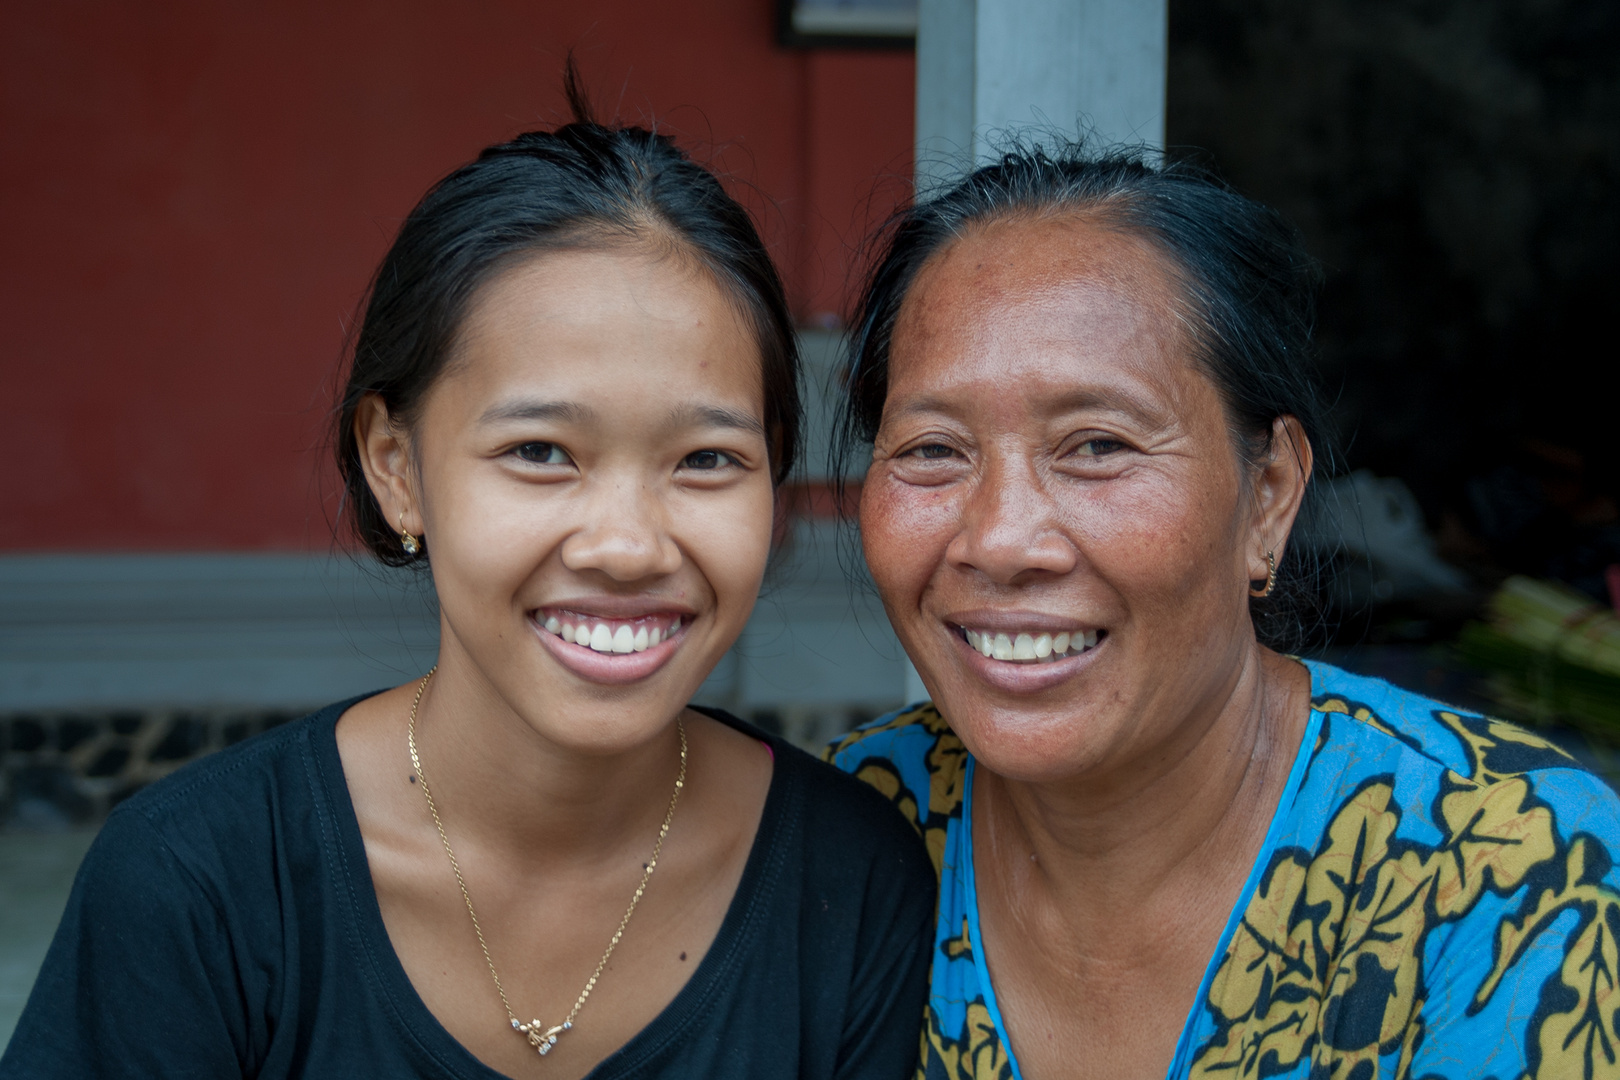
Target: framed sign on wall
843	24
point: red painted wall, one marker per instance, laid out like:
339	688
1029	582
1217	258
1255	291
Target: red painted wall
192	195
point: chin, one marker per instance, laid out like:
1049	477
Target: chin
1028	745
603	728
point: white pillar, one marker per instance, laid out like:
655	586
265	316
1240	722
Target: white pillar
985	66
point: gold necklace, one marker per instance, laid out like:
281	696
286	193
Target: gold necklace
540	1037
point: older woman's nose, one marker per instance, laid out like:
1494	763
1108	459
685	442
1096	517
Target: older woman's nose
625	535
1010	528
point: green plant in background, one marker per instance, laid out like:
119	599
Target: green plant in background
1553	654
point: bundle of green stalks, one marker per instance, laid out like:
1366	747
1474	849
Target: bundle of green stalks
1553	655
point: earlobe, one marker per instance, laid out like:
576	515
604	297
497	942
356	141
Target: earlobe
1279	495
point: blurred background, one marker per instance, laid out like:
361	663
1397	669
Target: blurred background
192	198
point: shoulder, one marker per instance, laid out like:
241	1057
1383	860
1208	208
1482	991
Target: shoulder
225	776
913	759
237	802
835	822
1458	867
845	815
1394	730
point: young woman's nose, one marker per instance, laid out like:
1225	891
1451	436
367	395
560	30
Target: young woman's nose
625	535
1009	529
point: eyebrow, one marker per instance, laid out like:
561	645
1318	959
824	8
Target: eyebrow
711	416
528	409
715	416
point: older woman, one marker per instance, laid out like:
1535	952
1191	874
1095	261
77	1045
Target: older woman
1165	847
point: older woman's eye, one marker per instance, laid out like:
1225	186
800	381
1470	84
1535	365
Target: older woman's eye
934	451
542	453
706	460
1098	447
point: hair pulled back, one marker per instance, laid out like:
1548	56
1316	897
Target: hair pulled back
1248	288
583	185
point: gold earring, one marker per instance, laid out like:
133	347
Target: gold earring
1271	577
410	543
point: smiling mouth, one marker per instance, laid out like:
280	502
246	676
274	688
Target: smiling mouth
1031	648
609	635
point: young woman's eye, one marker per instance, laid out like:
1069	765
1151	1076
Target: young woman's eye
707	460
1098	447
542	453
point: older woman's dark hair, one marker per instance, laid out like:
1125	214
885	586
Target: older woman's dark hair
583	185
1249	286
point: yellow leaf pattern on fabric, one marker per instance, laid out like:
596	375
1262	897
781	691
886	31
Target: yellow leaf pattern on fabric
1327	963
1585	1031
1420	815
881	775
959	947
1325	940
978	1055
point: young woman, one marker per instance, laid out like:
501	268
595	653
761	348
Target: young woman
572	398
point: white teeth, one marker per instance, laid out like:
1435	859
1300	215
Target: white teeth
604	638
1027	647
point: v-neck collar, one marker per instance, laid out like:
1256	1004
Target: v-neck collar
416	1024
1186	1043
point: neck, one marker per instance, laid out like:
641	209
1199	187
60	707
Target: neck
498	781
1174	814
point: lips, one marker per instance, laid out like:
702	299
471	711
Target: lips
611	649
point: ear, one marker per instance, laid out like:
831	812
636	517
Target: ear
1279	488
385	454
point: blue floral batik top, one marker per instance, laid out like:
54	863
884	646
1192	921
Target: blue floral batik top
1436	897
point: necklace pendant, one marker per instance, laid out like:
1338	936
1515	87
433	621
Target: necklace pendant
542	1040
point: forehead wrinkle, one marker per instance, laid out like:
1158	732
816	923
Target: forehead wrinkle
1061	403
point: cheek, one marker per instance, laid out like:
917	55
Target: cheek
1158	533
729	541
905	530
486	536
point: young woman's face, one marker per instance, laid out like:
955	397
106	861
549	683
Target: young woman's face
592	479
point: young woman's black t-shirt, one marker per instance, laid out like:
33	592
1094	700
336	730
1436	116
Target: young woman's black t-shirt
224	924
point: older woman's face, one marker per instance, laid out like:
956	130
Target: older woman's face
1053	467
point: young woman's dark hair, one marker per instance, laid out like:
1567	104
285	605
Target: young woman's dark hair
582	185
1249	289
